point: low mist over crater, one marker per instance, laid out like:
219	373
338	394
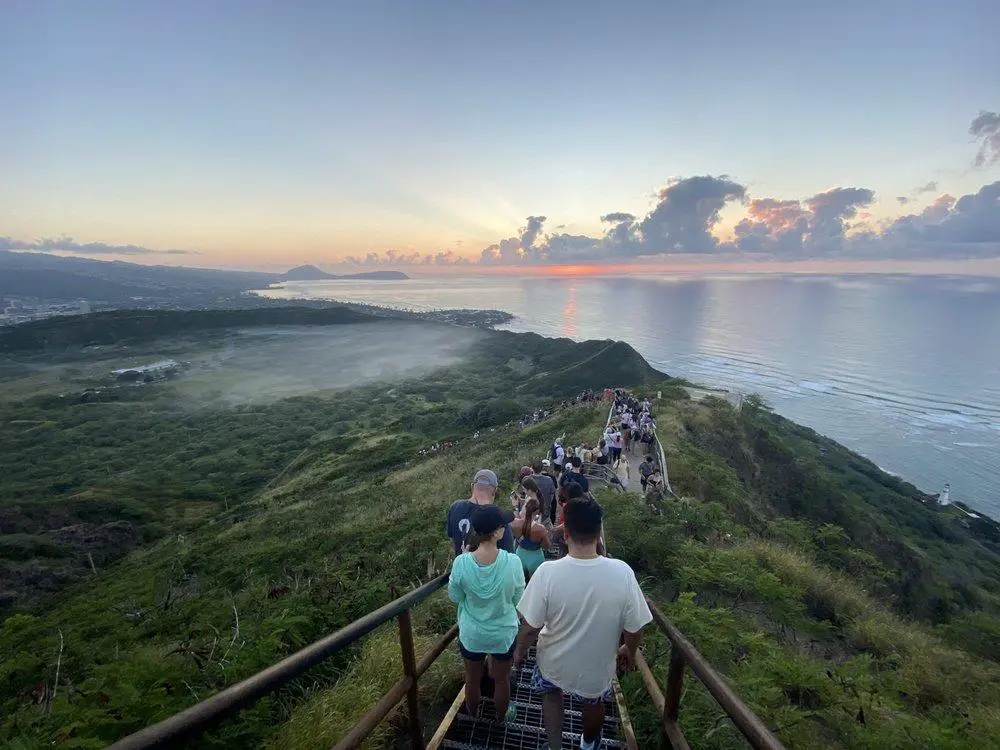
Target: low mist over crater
265	364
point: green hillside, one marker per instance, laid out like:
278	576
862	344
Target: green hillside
846	612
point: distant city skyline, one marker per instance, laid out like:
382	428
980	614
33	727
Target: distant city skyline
264	135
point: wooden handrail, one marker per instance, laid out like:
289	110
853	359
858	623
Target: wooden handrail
199	717
683	654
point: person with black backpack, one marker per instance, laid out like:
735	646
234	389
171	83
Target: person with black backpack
558	456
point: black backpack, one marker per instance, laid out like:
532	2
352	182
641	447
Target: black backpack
554	453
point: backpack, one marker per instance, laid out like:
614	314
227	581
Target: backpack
554	453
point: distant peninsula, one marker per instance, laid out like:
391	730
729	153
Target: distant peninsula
312	273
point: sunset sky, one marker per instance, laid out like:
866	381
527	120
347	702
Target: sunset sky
266	134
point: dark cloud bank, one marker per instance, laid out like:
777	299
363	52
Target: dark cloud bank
828	224
833	223
68	245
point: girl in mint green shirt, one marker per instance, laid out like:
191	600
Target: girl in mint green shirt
487	584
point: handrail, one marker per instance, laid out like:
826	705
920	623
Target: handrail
683	654
663	464
201	716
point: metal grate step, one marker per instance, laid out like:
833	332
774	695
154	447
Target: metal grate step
526	731
523	695
469	733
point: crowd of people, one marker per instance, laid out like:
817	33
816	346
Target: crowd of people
536	416
585	610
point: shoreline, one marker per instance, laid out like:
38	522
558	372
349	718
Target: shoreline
696	388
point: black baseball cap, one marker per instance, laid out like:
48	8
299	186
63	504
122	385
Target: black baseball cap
486	519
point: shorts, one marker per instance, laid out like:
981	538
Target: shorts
541	685
476	656
530	559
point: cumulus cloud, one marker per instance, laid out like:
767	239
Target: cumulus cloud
968	226
974	217
687	210
986	130
830	209
929	187
526	247
773	225
68	245
531	231
397	258
816	225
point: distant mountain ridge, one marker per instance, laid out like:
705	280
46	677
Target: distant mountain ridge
312	273
117	283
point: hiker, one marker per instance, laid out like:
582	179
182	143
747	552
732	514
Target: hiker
585	603
531	536
601	452
615	441
487	585
558	455
546	489
484	490
568	492
621	472
653	488
517	494
552	474
645	469
573	474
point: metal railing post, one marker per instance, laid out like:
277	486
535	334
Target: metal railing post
410	670
675	685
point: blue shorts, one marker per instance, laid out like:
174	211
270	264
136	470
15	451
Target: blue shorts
478	656
541	685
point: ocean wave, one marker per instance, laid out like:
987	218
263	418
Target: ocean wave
811	385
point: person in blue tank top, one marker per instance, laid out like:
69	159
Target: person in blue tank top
487	584
530	535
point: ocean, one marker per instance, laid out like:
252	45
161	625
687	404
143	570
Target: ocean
902	369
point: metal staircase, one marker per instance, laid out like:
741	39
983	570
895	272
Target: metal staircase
527	731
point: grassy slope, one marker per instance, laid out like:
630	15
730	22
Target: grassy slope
154	631
823	631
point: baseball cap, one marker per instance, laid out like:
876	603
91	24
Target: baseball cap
485	477
486	519
525	472
546	462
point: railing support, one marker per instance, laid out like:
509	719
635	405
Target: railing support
746	721
675	685
670	734
410	670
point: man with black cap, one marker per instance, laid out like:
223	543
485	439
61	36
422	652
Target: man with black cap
484	490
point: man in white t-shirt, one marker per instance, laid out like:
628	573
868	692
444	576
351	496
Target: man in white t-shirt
578	608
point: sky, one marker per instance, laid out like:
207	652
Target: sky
265	134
